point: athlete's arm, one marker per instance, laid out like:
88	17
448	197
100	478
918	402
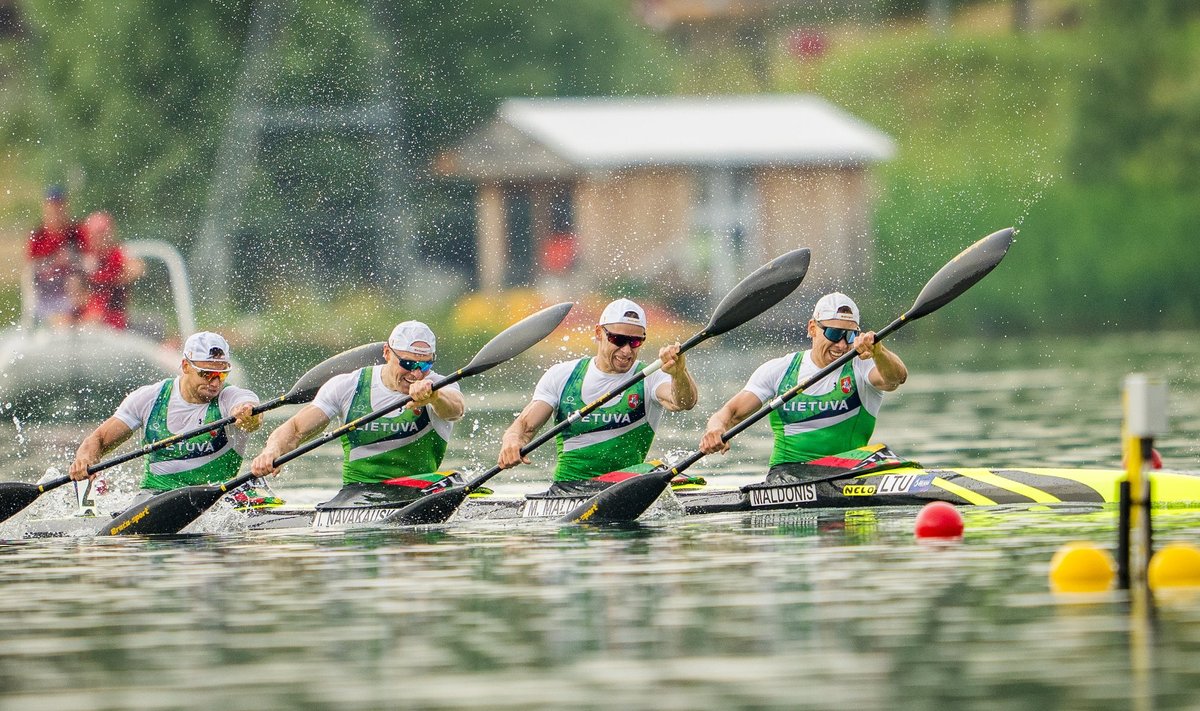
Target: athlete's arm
889	372
738	408
681	393
302	425
521	431
109	434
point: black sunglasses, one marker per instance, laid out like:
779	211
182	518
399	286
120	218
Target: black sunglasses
621	341
837	334
422	365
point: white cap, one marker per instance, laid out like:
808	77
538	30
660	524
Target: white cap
405	334
835	307
623	311
206	345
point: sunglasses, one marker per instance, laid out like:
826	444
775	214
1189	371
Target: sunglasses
620	341
209	373
422	365
837	334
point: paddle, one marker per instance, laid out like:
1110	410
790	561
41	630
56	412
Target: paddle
626	500
172	510
15	496
767	286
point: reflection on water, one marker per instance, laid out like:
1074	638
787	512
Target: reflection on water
764	611
767	610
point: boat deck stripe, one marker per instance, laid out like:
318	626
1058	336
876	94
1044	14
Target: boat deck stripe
993	492
1066	488
1023	488
963	492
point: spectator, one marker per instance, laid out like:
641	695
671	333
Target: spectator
55	254
109	273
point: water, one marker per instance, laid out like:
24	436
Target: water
781	610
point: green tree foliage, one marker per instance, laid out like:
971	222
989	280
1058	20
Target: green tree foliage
136	95
1085	139
1124	217
131	93
1140	121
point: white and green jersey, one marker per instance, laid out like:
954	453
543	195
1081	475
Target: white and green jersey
835	414
401	444
618	434
204	459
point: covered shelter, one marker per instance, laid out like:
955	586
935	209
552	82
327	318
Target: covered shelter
690	192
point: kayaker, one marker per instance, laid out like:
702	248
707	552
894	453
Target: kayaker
835	414
197	395
617	435
409	443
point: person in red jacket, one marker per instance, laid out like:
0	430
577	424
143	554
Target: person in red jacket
109	273
56	258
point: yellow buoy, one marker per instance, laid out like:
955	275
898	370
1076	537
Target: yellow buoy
1175	566
1081	567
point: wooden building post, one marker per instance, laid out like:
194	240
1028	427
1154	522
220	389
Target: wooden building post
492	237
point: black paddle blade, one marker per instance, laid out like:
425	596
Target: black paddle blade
961	273
517	338
622	502
15	496
307	386
166	513
767	286
433	508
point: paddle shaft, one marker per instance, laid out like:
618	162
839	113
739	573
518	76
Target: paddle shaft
167	442
779	400
959	274
355	423
324	439
40	489
628	499
173	510
154	446
588	409
53	483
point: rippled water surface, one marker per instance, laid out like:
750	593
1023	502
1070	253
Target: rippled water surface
826	609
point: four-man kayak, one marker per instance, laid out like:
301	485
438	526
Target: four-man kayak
902	486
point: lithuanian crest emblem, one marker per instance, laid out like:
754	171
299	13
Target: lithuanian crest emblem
847	385
633	399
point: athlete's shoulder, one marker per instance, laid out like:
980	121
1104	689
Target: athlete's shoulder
563	369
142	398
342	380
781	363
234	394
151	390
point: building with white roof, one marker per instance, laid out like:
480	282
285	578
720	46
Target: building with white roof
698	191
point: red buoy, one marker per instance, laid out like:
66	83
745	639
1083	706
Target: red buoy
939	520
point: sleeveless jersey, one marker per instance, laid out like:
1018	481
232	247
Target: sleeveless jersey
607	439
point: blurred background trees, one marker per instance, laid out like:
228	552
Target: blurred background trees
1074	119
